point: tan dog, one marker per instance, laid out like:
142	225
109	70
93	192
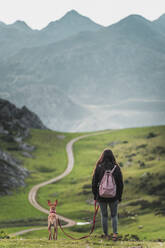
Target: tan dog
52	220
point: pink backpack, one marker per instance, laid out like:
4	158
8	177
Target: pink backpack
107	188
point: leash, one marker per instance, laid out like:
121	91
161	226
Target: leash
92	229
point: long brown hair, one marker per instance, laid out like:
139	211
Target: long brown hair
106	156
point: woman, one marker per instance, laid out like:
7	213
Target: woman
107	161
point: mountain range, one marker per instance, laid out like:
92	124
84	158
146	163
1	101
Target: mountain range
78	75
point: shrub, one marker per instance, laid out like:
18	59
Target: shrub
151	135
4	235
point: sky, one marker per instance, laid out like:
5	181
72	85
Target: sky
38	13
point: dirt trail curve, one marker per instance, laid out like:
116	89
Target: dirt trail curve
34	190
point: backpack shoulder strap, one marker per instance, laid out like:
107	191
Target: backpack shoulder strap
113	169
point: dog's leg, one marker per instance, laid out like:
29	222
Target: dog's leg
56	231
56	227
49	230
54	234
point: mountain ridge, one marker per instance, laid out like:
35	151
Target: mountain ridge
69	25
91	67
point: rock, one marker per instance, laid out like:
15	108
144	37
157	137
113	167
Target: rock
29	119
18	139
15	122
27	155
2	130
12	174
26	147
12	117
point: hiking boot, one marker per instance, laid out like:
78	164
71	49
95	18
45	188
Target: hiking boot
114	237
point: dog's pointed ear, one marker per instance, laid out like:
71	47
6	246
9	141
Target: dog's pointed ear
49	202
56	202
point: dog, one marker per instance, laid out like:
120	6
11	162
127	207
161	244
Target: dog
52	220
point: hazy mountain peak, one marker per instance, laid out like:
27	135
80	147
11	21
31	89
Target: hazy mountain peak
73	16
161	18
21	24
72	22
133	24
135	18
72	13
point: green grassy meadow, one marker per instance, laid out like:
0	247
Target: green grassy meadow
141	155
48	155
63	243
137	212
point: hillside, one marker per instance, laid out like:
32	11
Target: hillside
140	152
91	69
14	128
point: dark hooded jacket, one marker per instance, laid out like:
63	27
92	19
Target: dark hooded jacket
99	173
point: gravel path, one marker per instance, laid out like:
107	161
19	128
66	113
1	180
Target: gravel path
33	192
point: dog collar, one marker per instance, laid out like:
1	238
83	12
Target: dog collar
53	212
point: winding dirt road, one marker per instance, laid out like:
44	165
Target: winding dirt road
33	192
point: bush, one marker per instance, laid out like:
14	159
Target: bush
129	237
4	235
121	164
141	146
159	150
151	135
141	164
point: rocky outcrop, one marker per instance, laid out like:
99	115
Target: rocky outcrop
12	174
14	128
15	120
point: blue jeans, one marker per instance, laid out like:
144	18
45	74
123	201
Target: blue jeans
104	215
